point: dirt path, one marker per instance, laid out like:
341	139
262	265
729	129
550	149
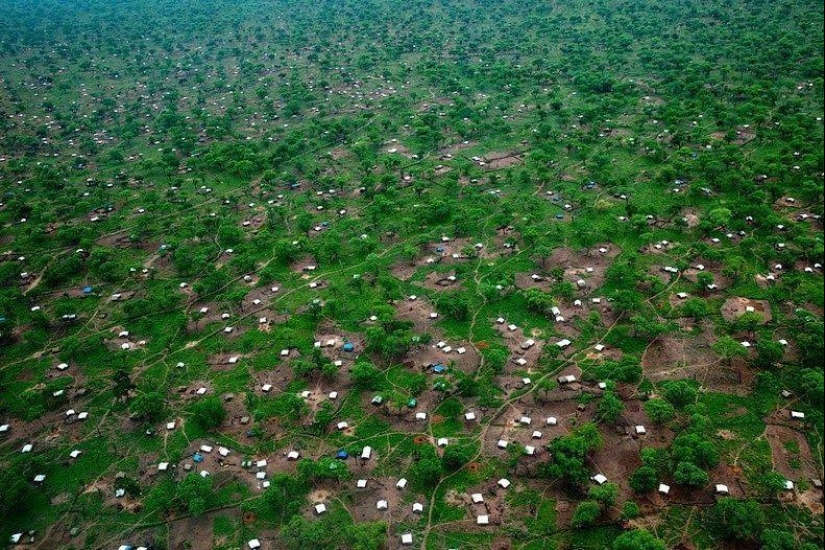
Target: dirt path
512	398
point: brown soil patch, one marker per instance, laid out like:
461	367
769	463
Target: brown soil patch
812	499
403	270
195	533
304	264
589	265
395	148
734	308
496	161
514	341
320	495
691	217
784	441
453	149
339	153
683	356
440	281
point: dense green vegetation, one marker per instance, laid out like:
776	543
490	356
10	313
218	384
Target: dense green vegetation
215	214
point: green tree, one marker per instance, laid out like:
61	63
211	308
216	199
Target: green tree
659	411
427	472
605	494
696	308
692	447
627	301
644	480
586	513
122	383
365	376
735	519
727	348
14	498
679	393
285	496
542	253
638	539
775	539
630	510
410	253
719	217
301	534
208	413
366	536
771	483
687	473
748	322
537	301
570	454
456	457
703	280
610	408
194	493
768	353
148	406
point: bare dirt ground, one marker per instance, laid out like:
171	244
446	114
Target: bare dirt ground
500	161
514	340
733	308
791	453
196	533
681	356
440	281
404	270
302	265
395	148
588	265
457	148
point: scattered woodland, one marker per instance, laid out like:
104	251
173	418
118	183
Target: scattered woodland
431	274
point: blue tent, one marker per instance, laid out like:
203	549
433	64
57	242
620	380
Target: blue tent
87	290
197	458
342	455
438	369
349	347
